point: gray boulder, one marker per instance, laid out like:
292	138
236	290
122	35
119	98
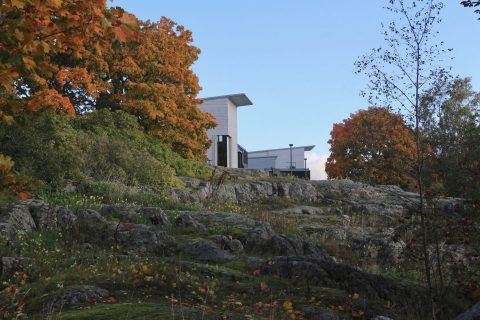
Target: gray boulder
89	217
208	251
18	216
156	216
73	295
471	314
49	217
10	265
287	245
8	233
186	223
263	241
258	236
234	246
141	239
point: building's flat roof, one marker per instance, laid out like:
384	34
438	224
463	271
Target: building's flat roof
305	148
239	99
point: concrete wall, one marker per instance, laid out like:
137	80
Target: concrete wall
225	113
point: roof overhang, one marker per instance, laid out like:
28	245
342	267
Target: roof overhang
239	99
266	157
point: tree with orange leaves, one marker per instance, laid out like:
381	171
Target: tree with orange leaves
151	78
44	47
373	146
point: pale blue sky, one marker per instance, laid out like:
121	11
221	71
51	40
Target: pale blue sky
294	59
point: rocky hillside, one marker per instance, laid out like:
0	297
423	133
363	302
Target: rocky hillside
272	249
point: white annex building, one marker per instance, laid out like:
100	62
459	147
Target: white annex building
224	150
283	159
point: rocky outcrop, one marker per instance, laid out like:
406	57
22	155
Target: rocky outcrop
320	272
363	198
202	238
154	215
385	200
197	191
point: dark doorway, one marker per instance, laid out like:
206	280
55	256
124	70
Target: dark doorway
222	151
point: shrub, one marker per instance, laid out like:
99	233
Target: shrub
101	146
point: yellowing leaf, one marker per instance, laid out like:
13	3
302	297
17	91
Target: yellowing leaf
29	62
54	3
146	269
20	4
357	313
288	305
263	286
129	19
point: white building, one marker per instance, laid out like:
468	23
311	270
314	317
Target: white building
283	159
224	149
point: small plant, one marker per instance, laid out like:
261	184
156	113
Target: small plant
12	186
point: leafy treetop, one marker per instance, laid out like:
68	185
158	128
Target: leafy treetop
34	34
471	4
373	146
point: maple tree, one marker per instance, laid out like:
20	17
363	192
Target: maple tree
151	78
373	146
44	46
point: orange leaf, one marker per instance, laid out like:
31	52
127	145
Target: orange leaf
24	195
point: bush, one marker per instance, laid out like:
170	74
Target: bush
102	146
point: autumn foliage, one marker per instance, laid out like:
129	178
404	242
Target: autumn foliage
373	146
74	57
49	47
151	78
